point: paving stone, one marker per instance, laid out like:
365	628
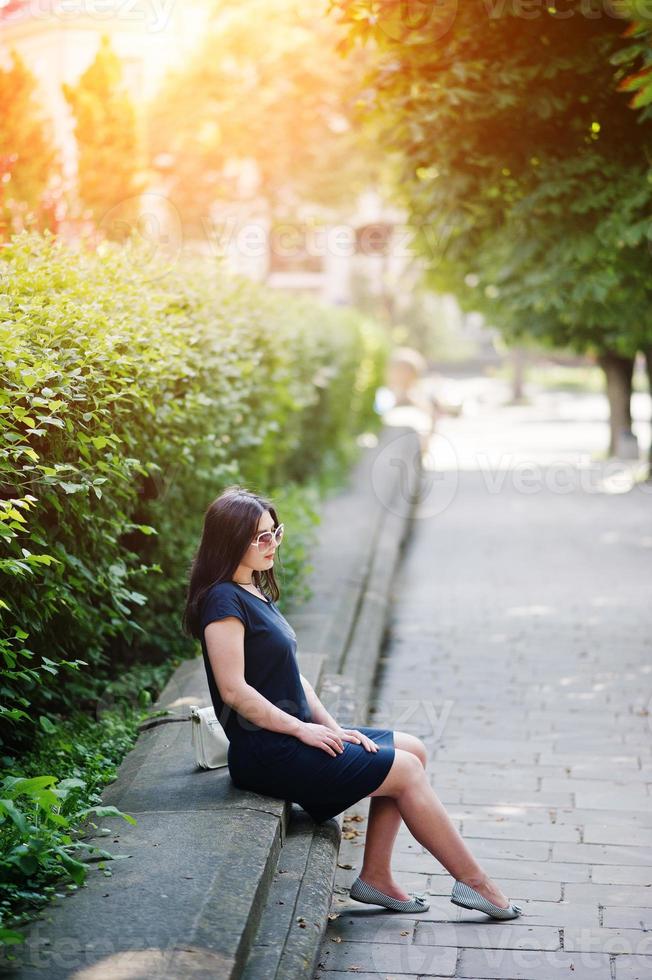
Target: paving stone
535	747
533	964
582	745
568	784
613	833
496	812
631	941
560	914
486	849
615	799
612	874
628	917
617	818
543	870
520	830
487	934
378	928
633	967
578	760
426	961
614	772
602	854
534	798
637	895
512	850
344	975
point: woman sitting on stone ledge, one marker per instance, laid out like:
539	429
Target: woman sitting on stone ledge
282	740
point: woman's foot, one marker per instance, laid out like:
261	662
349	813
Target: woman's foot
386	885
488	889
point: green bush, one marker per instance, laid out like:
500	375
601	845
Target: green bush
132	393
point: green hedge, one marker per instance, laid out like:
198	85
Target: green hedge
132	393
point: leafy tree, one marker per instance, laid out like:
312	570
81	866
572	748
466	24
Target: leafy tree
636	55
28	158
278	95
107	135
582	275
522	169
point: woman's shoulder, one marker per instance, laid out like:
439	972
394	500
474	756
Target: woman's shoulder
226	585
231	592
222	601
222	590
221	597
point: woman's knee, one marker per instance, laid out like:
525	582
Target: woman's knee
413	744
405	771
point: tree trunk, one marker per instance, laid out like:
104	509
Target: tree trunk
518	357
618	374
647	352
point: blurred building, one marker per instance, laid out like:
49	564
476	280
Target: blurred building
316	252
58	40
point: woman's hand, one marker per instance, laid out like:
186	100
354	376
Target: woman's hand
353	735
320	737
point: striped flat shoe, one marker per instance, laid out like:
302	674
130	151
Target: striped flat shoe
362	892
468	898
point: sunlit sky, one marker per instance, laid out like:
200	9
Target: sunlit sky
53	36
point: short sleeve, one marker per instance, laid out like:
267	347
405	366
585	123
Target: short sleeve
220	603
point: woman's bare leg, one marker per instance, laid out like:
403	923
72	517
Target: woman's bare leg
429	823
383	825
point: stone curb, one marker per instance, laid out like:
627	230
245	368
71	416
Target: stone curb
345	694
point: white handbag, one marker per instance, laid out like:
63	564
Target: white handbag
208	738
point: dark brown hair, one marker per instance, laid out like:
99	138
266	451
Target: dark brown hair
230	525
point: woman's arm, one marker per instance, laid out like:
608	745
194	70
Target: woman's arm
321	717
225	648
318	712
259	710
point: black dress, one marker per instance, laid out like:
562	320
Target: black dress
273	763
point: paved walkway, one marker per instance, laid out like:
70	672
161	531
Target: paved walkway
520	652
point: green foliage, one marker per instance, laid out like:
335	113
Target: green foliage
523	172
28	160
107	137
636	56
127	403
43	819
598	295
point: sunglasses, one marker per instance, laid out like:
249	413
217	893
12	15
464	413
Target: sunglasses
263	540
